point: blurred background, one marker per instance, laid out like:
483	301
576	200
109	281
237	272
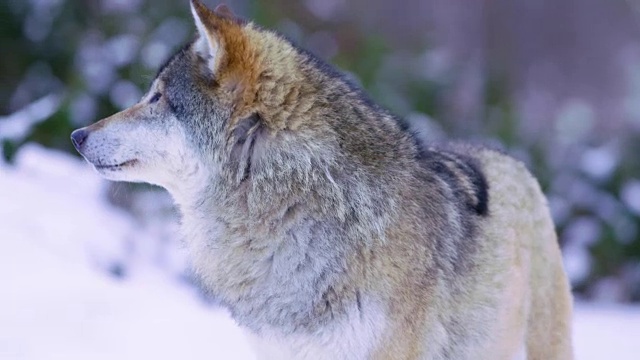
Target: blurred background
556	83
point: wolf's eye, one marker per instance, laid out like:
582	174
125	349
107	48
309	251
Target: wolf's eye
155	98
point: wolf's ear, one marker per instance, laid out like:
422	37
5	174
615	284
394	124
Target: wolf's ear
209	44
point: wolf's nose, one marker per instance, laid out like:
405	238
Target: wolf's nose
78	137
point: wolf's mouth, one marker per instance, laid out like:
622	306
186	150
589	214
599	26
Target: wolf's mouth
120	166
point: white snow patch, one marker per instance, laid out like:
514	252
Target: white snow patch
606	332
55	304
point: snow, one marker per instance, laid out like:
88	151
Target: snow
606	332
58	236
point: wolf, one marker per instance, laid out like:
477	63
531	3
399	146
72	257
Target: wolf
326	227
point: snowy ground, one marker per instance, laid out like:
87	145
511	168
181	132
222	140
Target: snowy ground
57	239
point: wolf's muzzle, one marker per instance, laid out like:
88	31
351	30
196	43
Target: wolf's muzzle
78	137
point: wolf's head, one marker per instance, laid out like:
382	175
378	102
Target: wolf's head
237	103
207	105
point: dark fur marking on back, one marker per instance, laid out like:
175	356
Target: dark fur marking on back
405	127
482	188
463	174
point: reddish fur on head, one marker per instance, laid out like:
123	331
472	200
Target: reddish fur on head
259	71
237	66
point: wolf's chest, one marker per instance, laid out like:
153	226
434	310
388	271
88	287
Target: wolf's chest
353	337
